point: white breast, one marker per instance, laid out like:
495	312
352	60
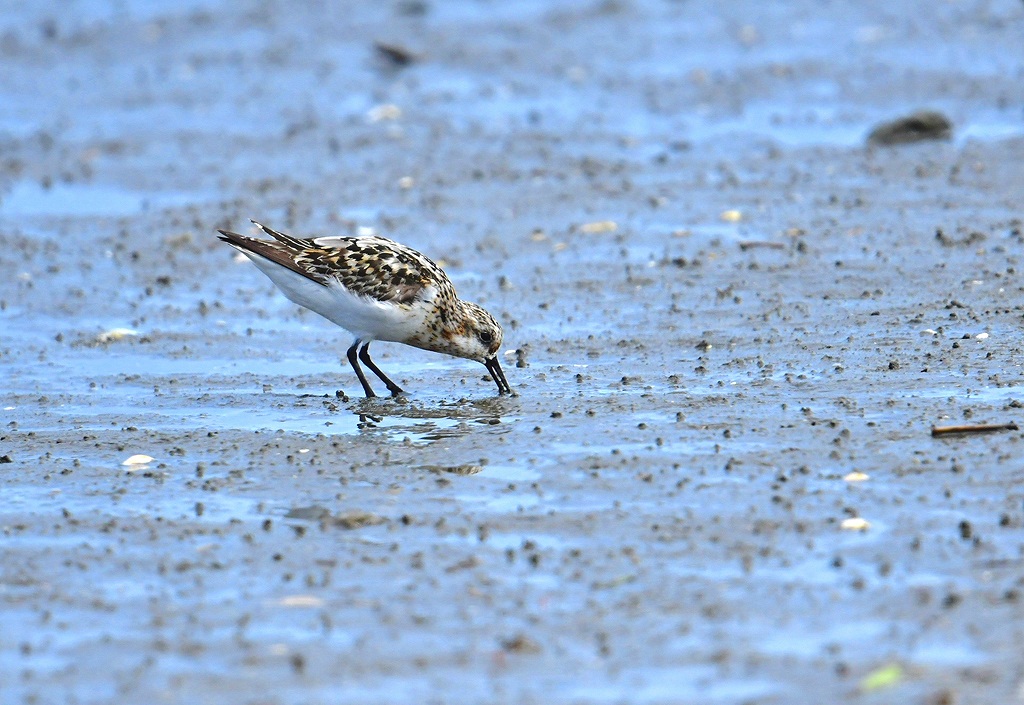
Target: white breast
370	319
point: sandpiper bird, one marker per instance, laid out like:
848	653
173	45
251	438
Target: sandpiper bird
377	290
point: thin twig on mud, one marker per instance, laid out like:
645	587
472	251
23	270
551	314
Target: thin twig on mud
973	428
767	244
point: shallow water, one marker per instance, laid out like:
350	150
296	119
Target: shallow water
763	308
27	200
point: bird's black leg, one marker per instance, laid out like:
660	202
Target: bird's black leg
364	355
359	372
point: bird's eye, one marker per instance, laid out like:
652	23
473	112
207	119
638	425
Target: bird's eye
486	337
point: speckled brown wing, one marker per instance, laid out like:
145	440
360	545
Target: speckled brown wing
371	266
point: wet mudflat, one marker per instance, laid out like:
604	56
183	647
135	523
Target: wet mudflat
731	324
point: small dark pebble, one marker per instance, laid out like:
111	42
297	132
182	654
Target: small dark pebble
520	644
394	54
916	127
357	520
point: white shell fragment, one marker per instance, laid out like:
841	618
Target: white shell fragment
856	476
388	111
855	524
115	334
300	601
138	459
599	226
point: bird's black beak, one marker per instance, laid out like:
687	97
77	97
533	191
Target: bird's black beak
494	367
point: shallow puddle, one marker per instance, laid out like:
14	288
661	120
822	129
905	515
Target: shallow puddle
28	200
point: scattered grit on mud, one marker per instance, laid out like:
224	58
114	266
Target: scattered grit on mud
731	326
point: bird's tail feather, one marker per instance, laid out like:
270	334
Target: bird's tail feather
281	237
